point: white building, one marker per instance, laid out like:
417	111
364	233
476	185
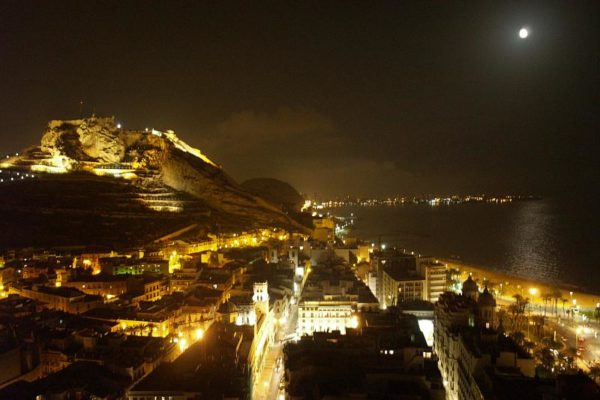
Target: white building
326	316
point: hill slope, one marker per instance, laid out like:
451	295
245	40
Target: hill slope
90	168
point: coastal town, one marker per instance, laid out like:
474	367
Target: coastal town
276	314
299	200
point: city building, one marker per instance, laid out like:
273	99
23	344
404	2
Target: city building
331	298
436	277
134	266
80	380
217	366
400	284
184	279
65	299
324	229
107	286
318	315
467	343
384	356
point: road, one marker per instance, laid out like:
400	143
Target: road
267	385
587	337
271	369
572	330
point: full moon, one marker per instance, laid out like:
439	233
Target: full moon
523	33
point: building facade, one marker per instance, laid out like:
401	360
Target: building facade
468	346
325	316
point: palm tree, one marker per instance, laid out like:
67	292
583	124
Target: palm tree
547	297
538	322
564	301
556	295
518	308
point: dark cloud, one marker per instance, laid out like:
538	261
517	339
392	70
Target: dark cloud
256	131
302	147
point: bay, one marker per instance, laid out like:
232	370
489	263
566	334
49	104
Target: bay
553	240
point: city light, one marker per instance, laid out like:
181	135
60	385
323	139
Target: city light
182	344
199	333
533	291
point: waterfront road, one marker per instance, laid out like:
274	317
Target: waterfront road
584	337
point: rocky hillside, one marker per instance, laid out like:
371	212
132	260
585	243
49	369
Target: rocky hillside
151	162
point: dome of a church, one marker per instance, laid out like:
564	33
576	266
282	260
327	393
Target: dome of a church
486	299
469	285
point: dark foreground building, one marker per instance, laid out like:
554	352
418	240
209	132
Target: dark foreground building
386	357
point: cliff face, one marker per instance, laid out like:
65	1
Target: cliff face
94	139
146	159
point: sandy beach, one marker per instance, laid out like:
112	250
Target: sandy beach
535	291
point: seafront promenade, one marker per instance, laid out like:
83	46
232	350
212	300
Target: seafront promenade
508	285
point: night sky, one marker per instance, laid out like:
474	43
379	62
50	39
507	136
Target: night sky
336	98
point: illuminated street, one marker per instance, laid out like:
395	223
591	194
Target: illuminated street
267	385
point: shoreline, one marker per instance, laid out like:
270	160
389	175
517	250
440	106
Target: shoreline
587	299
527	287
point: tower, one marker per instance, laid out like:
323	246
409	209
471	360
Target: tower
486	305
261	297
470	289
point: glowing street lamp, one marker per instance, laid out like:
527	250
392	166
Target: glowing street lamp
199	333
